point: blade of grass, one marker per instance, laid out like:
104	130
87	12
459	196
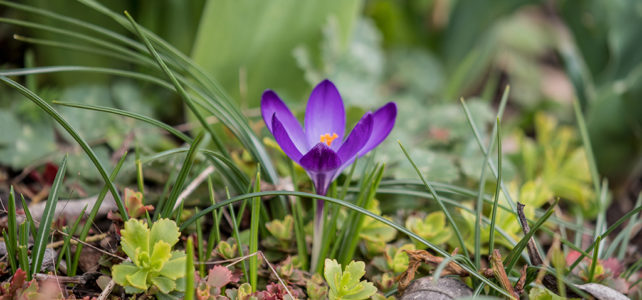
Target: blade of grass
254	231
215	233
167	207
12	236
626	233
40	240
189	270
480	142
594	261
297	214
92	215
199	246
347	253
83	144
25	207
23	249
491	238
586	142
235	232
111	71
67	239
179	88
347	205
513	256
429	187
479	203
128	114
608	231
11	252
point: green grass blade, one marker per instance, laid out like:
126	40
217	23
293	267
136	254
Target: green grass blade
586	142
177	85
608	231
350	206
513	256
40	240
483	149
25	207
11	252
297	215
235	231
189	270
84	232
254	231
12	236
23	249
199	246
111	71
348	253
215	232
491	238
596	253
128	114
429	187
83	144
167	206
626	233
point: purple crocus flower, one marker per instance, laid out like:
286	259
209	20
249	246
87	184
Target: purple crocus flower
321	148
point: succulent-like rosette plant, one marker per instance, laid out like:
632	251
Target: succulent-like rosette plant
153	263
321	146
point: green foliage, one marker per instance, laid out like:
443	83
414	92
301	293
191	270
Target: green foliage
432	228
374	233
152	261
396	258
257	44
282	230
554	165
347	284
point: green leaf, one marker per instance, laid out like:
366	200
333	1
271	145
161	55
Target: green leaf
347	284
134	236
160	255
138	279
175	267
164	230
120	272
164	284
281	229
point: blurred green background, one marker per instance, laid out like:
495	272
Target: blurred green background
423	54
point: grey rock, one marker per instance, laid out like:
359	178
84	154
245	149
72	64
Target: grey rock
445	288
601	292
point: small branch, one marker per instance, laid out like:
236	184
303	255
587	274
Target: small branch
549	281
193	185
497	265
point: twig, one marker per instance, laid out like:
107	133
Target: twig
549	281
260	254
193	185
500	274
105	293
93	238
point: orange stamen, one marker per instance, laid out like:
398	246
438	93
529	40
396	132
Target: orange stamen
327	138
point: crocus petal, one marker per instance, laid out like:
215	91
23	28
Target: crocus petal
283	139
271	104
383	121
325	113
320	159
358	137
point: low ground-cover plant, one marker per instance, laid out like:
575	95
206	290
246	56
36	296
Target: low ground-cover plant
469	223
153	263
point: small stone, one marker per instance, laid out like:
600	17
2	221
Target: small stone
445	288
601	292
